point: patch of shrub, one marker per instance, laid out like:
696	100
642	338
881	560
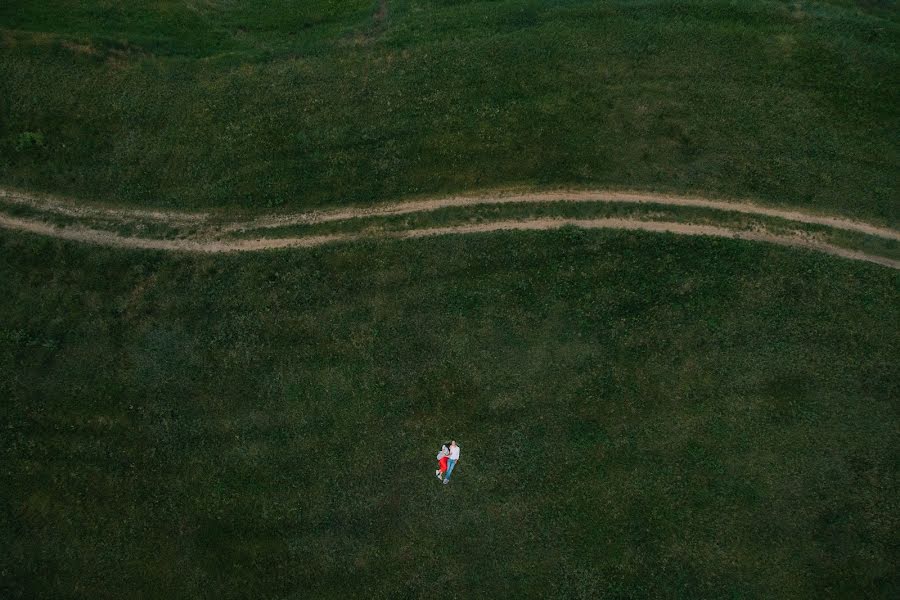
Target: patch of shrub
28	140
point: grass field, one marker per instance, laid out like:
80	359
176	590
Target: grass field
641	415
301	104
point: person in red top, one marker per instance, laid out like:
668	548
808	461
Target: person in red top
442	457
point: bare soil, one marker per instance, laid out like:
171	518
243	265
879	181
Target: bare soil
112	239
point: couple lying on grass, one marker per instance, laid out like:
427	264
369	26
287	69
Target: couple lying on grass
447	458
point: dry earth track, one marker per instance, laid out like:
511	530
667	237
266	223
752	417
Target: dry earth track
108	238
497	197
210	244
564	196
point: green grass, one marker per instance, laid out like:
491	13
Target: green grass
304	104
640	416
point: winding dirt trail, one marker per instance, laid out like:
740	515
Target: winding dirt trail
114	240
571	196
111	239
658	227
70	208
498	197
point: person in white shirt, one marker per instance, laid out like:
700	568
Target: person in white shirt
454	456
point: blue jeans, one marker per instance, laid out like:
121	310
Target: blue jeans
450	464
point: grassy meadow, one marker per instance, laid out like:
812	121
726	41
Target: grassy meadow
639	416
258	105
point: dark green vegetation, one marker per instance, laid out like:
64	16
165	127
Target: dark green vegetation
259	104
640	416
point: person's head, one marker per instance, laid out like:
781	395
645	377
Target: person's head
452	442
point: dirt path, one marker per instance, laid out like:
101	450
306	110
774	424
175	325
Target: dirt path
573	196
657	227
107	238
72	209
114	240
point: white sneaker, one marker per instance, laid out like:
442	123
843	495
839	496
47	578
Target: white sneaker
437	474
